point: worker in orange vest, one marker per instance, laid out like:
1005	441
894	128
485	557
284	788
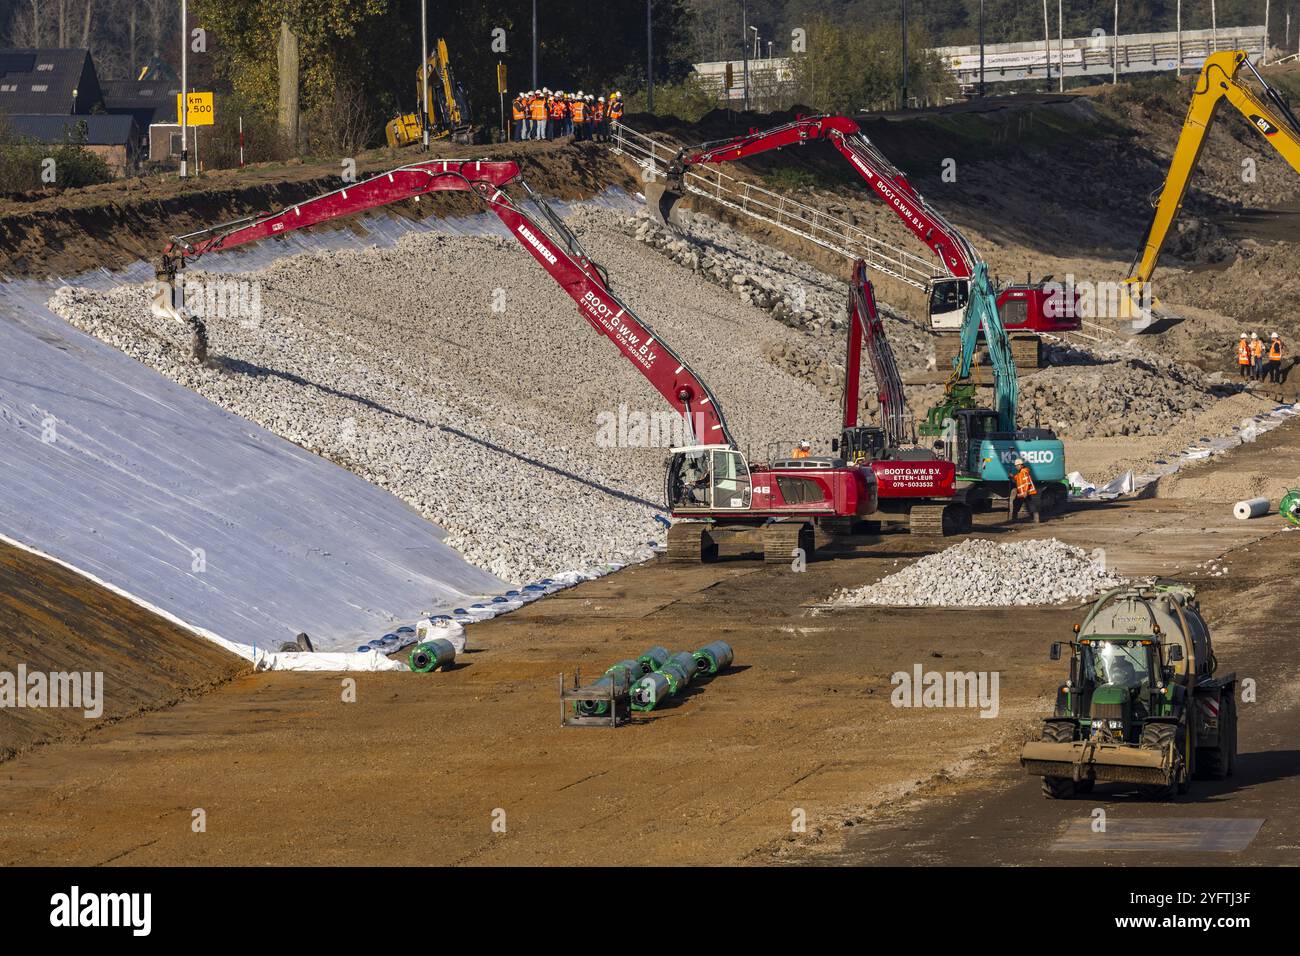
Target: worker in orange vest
1025	492
579	110
803	451
537	115
1273	367
1243	355
1256	356
600	119
559	107
517	113
616	108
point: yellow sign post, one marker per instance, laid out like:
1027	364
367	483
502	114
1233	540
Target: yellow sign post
200	112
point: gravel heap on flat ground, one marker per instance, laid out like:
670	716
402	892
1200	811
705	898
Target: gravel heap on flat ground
393	363
980	573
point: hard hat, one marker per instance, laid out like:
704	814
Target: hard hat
1253	335
1272	335
602	99
1243	335
805	444
579	92
1020	461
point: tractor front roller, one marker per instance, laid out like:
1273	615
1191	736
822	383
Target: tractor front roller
781	538
1059	788
691	542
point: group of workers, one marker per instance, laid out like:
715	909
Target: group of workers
547	114
1257	361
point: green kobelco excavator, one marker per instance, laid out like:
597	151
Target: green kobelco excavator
1142	704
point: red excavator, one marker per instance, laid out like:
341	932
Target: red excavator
1026	310
710	486
914	485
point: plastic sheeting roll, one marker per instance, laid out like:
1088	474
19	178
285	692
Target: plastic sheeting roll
619	678
1250	508
431	655
713	657
653	659
650	690
1289	508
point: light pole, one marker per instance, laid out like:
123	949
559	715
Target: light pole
753	50
1178	69
424	74
534	44
981	49
185	103
1115	48
744	47
1047	45
649	63
903	105
1060	42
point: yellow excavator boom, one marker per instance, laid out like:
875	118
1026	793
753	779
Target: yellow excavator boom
1269	115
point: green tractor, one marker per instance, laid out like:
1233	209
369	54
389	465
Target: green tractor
1141	704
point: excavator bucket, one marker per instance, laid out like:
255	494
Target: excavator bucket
1140	314
1103	762
662	202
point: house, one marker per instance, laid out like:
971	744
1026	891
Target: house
46	96
49	82
148	102
114	139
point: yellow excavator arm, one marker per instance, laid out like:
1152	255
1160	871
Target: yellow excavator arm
1270	116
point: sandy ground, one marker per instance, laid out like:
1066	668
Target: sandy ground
286	771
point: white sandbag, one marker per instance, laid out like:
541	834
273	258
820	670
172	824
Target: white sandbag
430	629
1250	508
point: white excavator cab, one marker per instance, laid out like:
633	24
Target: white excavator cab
708	478
948	298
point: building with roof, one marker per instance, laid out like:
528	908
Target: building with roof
49	82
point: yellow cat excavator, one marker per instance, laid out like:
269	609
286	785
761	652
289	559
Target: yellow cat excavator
448	107
1266	111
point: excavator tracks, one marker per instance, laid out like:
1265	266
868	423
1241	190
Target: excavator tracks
691	542
939	520
781	538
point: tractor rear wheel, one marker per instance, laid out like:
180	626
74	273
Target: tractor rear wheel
1059	788
1212	762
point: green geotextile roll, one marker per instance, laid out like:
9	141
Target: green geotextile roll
713	657
431	655
631	667
1290	506
653	659
650	690
678	675
619	678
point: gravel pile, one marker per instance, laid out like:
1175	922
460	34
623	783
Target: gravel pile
979	573
1115	390
796	294
453	372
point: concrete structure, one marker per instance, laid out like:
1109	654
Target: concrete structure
1096	56
766	77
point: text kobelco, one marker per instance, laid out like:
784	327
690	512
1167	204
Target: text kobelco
1039	456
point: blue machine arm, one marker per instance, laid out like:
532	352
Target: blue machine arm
982	310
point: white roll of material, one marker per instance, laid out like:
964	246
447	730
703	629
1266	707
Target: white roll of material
1250	508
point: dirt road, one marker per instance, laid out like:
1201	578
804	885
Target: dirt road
419	767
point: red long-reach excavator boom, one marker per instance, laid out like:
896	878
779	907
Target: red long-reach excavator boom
1027	309
709	481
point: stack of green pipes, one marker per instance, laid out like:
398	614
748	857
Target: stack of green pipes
677	671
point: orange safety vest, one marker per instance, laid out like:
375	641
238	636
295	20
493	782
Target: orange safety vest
1024	483
1257	348
600	112
517	108
557	109
799	453
537	108
1243	352
1275	350
616	110
578	107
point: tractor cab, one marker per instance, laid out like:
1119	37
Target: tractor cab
707	478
